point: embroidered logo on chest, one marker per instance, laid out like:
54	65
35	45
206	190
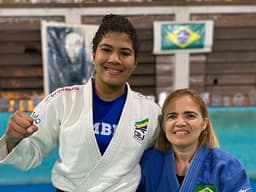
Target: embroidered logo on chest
141	128
205	188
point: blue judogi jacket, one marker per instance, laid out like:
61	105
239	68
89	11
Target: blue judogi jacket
211	170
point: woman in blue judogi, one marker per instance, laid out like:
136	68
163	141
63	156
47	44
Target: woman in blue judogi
186	157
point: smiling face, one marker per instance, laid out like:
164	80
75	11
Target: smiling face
114	61
183	123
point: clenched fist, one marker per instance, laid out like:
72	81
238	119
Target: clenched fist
20	125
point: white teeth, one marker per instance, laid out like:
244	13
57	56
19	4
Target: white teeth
113	71
181	132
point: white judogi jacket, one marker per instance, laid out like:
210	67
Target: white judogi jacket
65	118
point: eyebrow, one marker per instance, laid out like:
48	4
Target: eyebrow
104	44
186	112
191	112
122	48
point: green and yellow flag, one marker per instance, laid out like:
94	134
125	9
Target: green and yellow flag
189	36
182	36
205	188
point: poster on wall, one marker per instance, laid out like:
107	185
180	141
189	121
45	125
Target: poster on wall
66	52
191	36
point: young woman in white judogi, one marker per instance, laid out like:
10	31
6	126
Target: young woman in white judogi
101	128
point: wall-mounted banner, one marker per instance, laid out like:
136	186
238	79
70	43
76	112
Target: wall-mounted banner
191	36
66	54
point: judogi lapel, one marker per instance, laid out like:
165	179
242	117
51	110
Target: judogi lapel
106	172
189	182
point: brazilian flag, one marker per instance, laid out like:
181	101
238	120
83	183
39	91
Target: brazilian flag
142	123
182	36
205	188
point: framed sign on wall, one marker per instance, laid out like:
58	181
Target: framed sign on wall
66	54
